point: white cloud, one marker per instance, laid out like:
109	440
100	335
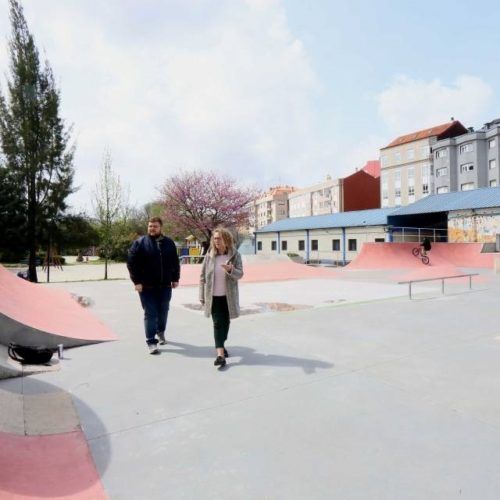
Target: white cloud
230	91
358	154
408	104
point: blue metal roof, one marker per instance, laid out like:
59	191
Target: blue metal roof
446	202
374	217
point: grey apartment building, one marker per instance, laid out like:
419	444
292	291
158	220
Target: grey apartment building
468	161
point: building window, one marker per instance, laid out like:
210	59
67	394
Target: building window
492	164
492	143
411	191
273	245
425	188
493	183
467	186
466	148
397	192
426	151
442	172
397	157
426	170
379	240
314	244
352	245
302	245
397	177
284	245
466	167
259	245
410	154
411	173
442	190
336	245
383	179
441	153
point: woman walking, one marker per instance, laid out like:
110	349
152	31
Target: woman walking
222	268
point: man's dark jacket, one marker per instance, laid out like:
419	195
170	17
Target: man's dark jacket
153	262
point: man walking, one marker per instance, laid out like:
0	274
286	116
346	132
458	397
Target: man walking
154	268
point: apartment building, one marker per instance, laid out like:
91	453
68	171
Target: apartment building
319	199
406	164
271	206
469	161
358	191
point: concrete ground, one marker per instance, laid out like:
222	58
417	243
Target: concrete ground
363	394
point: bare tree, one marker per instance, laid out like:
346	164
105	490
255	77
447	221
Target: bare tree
110	203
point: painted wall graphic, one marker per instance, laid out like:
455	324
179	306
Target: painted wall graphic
479	226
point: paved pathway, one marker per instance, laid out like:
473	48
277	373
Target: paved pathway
369	396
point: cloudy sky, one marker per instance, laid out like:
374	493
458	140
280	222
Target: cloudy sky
268	91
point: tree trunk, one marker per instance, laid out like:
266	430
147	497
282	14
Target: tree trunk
32	276
48	261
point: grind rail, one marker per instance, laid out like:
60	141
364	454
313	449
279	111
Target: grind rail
442	278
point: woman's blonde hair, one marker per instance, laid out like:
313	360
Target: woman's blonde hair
227	239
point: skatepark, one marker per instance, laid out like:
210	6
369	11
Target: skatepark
338	386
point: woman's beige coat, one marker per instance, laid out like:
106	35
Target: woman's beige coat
207	283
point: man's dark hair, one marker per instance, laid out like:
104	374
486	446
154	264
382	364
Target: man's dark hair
156	219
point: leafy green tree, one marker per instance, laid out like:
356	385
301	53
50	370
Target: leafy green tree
33	137
12	219
75	232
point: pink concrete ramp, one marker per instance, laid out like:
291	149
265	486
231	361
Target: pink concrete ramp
49	466
444	257
32	314
256	272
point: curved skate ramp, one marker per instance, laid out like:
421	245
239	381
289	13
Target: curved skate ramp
44	450
261	271
443	255
32	314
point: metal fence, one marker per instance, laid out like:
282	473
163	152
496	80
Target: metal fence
417	234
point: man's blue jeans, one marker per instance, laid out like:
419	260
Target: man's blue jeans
155	302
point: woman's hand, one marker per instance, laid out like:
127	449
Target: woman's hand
227	267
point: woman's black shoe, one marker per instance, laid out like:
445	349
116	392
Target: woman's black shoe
220	361
226	354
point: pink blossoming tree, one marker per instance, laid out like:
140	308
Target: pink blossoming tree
199	201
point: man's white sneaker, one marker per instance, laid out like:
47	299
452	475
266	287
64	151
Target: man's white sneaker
161	338
153	349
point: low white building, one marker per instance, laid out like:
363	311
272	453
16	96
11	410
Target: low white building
332	237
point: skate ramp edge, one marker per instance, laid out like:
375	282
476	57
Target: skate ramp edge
44	451
399	256
34	314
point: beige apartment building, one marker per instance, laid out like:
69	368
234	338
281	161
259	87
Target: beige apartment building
319	199
406	164
271	206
